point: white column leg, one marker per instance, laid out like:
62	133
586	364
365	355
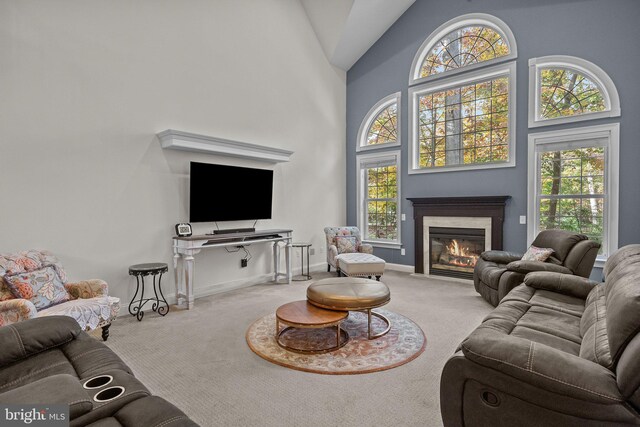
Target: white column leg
189	271
177	278
287	255
275	261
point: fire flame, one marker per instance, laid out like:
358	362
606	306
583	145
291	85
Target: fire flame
464	257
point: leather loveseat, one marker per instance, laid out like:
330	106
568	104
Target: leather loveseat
559	350
497	272
50	360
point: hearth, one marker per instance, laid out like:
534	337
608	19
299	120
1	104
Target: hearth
453	251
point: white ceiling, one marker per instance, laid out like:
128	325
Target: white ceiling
346	29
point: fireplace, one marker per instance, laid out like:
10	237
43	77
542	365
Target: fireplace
454	251
474	222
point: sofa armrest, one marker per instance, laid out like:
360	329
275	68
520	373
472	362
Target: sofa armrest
366	248
24	339
332	253
542	366
16	310
525	267
87	288
500	257
567	284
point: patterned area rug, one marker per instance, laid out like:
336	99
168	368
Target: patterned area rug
403	343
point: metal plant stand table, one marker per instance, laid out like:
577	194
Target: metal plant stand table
303	247
155	269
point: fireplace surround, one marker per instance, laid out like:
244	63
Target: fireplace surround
467	216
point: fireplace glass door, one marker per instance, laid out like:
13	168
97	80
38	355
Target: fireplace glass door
453	252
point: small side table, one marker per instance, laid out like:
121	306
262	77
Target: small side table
156	269
303	247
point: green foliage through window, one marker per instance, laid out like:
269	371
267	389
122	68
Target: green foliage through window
382	203
564	92
572	191
464	125
384	128
462	47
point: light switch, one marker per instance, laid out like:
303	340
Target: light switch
523	219
402	251
402	218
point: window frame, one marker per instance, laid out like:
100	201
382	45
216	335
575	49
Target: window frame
365	125
480	19
607	136
475	76
361	160
578	65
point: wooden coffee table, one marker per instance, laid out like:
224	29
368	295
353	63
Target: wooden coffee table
302	315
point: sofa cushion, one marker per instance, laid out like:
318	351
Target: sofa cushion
490	274
42	287
89	313
61	389
346	244
535	253
622	295
24	339
559	240
593	328
629	254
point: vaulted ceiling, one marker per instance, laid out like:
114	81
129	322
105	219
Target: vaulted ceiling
346	29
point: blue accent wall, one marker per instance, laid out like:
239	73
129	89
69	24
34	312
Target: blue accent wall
605	32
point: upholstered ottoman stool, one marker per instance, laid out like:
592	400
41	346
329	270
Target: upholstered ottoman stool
360	265
351	294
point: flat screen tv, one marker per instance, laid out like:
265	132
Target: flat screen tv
229	193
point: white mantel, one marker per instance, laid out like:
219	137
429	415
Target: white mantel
180	140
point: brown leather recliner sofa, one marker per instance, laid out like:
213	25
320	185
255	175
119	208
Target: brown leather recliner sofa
559	350
50	360
497	272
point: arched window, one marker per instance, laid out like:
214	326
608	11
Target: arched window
462	102
380	127
566	89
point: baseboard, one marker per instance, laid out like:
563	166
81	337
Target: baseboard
400	267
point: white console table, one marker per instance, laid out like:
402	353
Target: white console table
184	248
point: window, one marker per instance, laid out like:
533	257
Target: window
573	177
380	127
379	198
567	89
462	112
463	43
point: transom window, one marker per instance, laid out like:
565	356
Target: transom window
565	89
380	127
378	185
565	92
462	114
463	47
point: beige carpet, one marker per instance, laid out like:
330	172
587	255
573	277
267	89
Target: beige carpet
199	360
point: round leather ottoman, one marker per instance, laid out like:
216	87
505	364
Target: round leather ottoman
351	294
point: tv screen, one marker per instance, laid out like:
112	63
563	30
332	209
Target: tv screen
229	193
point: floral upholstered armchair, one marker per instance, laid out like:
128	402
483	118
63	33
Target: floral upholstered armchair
34	284
343	240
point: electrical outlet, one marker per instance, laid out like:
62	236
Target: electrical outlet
402	251
402	218
243	262
312	251
523	219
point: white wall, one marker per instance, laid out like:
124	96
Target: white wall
84	87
